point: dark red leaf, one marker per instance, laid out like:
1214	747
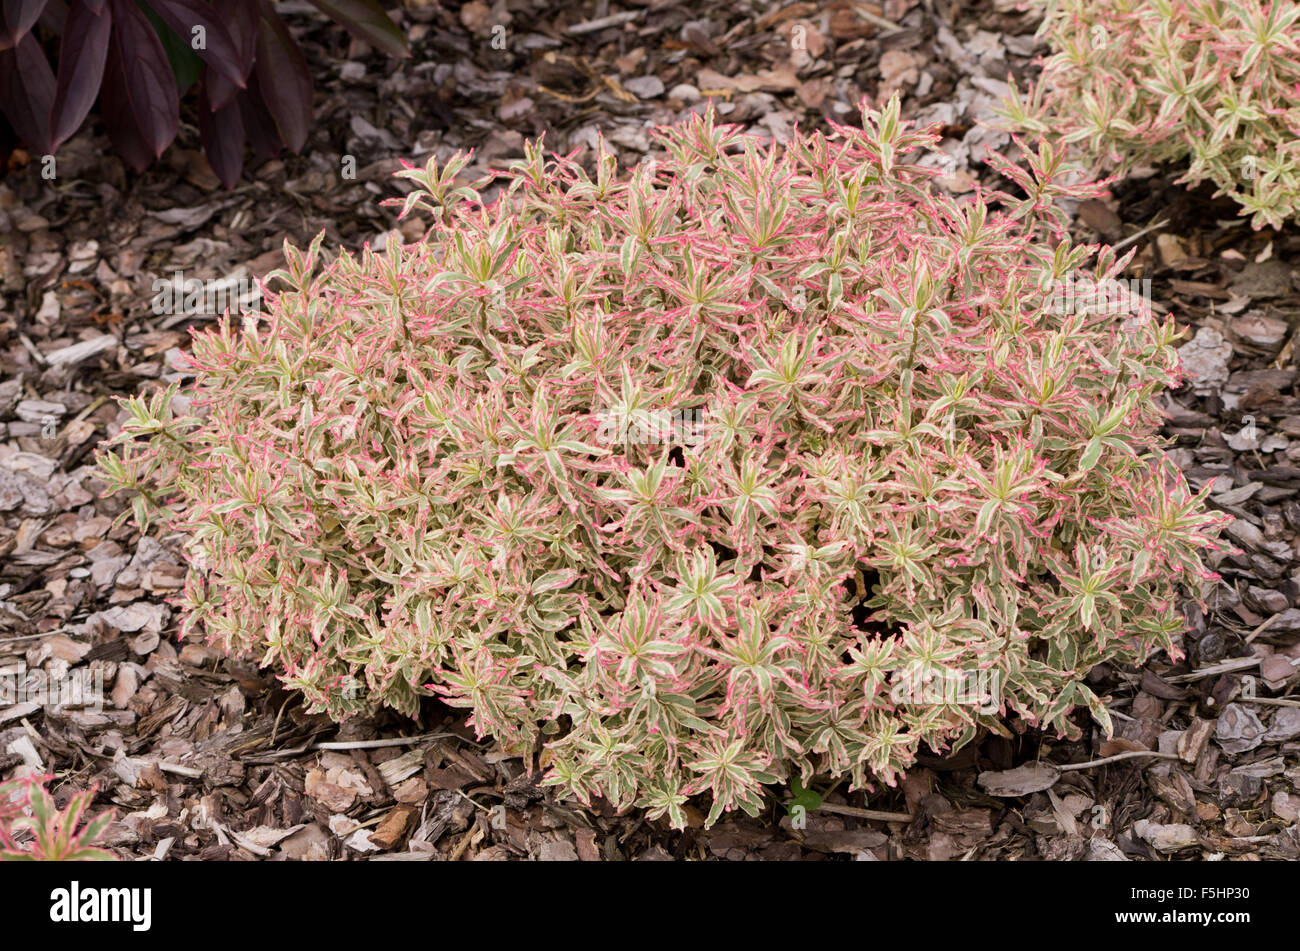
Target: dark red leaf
56	11
244	15
259	126
27	92
222	133
119	118
82	54
220	52
220	90
18	17
148	83
242	26
96	6
283	78
368	22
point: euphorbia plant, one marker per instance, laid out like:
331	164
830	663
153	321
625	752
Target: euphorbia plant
432	470
55	835
137	58
1211	82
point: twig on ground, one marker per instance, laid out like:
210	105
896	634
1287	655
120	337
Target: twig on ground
472	837
600	23
1269	701
857	813
1133	754
354	745
1227	667
1155	226
28	637
380	744
1262	628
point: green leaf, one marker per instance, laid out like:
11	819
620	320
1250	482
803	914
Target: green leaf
807	798
186	64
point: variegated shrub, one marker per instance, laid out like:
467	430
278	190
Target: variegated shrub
34	829
1212	83
682	474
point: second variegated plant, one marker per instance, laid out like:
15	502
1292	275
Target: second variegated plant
1211	83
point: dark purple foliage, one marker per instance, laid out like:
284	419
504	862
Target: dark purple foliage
254	87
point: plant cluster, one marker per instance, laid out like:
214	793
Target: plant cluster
139	58
25	804
401	481
1215	83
